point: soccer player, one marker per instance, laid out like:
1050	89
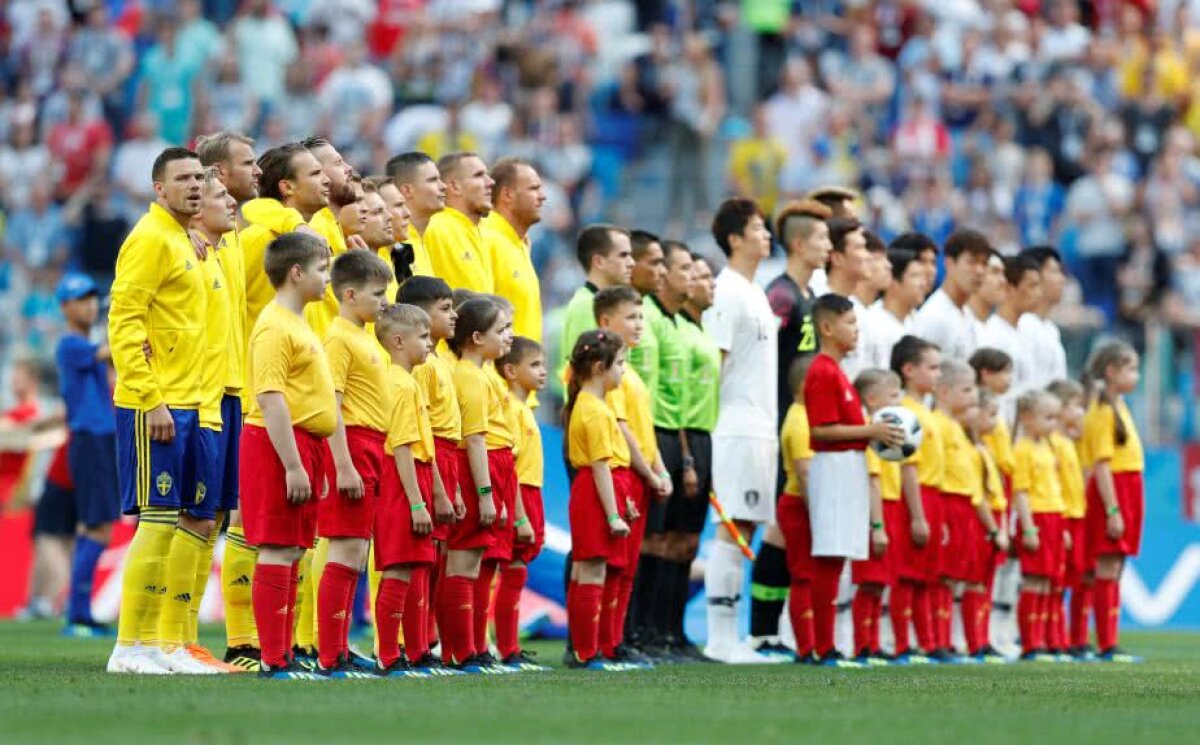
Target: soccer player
91	450
420	183
1116	498
598	528
840	201
351	214
879	272
517	199
1068	430
918	363
284	453
524	369
1038	503
232	155
745	442
404	548
850	263
606	255
378	231
1038	332
926	252
839	501
342	193
892	316
400	255
943	319
984	301
1022	292
360	382
452	237
802	228
158	299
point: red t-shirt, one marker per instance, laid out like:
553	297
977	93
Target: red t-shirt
76	145
829	398
12	464
59	472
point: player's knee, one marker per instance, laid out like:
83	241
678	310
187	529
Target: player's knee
199	525
398	571
589	572
101	533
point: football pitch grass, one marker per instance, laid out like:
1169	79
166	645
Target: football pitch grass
55	690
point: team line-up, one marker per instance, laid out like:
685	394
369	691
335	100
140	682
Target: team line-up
341	374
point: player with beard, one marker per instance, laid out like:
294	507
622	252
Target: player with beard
377	225
232	156
417	178
517	199
158	298
453	238
350	217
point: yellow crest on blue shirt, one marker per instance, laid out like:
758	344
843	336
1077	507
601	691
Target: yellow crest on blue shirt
164	482
201	491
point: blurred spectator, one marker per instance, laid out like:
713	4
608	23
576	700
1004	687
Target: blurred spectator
449	138
81	145
796	117
1096	208
265	47
1039	200
105	57
490	117
355	95
861	77
37	52
198	36
170	77
756	163
36	233
99	218
133	161
1143	279
21	157
697	95
229	103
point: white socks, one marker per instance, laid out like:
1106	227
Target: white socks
724	576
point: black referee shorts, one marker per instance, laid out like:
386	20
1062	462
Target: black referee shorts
688	514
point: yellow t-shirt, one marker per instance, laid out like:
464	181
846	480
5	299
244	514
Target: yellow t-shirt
888	473
930	458
455	248
795	445
513	275
482	411
321	314
999	444
592	432
286	357
756	163
408	420
1036	474
1070	475
1100	439
436	377
421	266
530	465
233	264
961	475
218	323
993	484
360	374
158	296
502	425
631	403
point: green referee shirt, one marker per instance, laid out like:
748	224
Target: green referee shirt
644	357
703	388
577	318
672	363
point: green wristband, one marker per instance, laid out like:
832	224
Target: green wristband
1031	531
613	518
522	521
416	507
484	491
876	526
1112	510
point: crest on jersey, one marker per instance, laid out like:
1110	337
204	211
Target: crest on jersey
201	491
164	483
752	498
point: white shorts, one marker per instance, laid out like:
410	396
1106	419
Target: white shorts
839	504
744	470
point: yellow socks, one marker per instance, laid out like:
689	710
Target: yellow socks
142	580
203	570
306	598
237	572
180	580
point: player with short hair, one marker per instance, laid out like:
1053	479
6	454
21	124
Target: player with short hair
351	215
1022	292
892	316
745	442
984	301
400	254
606	254
839	200
1038	331
158	299
284	453
517	199
879	272
850	263
417	177
647	277
452	237
926	252
944	319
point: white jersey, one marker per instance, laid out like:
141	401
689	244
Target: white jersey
818	283
950	327
1044	340
1000	334
884	331
856	361
977	325
740	321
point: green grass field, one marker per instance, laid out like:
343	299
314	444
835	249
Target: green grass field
54	690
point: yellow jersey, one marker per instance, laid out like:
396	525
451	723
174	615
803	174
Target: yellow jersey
993	484
930	457
1100	438
482	411
795	444
631	403
233	265
436	377
408	419
286	357
888	473
502	427
159	297
1070	475
216	341
961	475
530	463
592	433
360	374
1036	474
513	275
321	314
455	248
421	265
999	444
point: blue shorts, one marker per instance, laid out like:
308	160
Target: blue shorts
154	474
217	482
93	462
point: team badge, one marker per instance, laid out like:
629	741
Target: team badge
164	483
752	498
201	491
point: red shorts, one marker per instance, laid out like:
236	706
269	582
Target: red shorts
269	518
342	517
590	536
467	533
637	528
961	554
395	541
912	562
531	497
1079	561
446	453
1050	558
791	512
880	570
503	471
1131	499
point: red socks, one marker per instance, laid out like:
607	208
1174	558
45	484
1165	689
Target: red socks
272	594
824	593
483	604
609	603
583	618
922	614
457	619
866	609
389	614
943	614
1029	620
1081	609
624	597
800	609
901	608
508	609
437	573
1108	612
1056	632
973	603
416	615
334	596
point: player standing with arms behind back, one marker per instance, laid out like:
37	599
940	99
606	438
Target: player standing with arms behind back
745	442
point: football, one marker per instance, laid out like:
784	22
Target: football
912	433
